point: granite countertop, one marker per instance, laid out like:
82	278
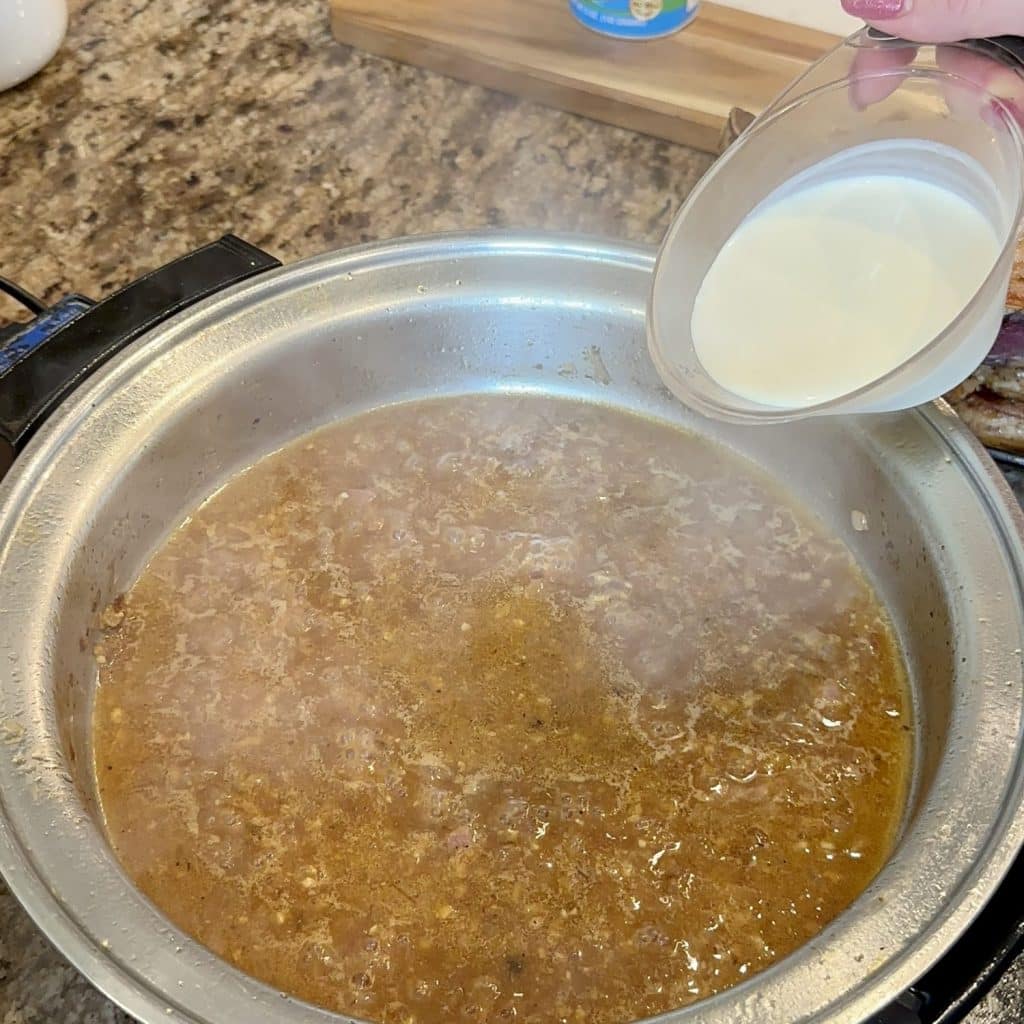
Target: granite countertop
162	125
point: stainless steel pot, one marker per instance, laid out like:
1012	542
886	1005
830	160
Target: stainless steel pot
219	385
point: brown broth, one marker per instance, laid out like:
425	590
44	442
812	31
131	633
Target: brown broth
501	708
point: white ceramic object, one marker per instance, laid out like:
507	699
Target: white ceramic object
31	32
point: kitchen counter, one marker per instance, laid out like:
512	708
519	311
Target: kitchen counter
162	125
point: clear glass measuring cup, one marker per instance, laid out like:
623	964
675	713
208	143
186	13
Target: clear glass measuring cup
948	114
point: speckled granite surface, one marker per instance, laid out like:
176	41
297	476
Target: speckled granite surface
164	123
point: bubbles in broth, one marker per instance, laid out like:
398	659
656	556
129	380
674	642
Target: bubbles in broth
501	708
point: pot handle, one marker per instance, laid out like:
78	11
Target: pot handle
47	359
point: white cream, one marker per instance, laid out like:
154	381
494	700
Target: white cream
830	287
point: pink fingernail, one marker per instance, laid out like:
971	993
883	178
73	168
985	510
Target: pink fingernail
876	10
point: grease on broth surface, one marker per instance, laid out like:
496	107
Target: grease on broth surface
501	708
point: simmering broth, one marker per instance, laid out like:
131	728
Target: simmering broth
501	708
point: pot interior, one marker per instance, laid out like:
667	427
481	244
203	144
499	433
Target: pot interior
240	376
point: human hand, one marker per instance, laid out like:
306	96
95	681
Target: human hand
941	21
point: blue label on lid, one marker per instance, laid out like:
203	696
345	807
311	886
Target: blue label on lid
634	19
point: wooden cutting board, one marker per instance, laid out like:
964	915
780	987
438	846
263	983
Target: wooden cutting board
681	88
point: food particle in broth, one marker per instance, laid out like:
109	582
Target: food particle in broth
501	708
